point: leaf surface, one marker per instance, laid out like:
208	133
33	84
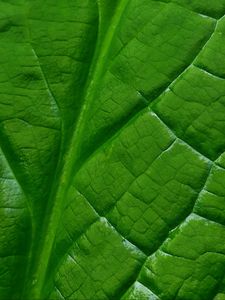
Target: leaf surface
112	140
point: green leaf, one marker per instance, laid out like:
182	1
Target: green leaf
112	150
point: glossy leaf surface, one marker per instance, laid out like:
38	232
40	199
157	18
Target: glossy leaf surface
112	140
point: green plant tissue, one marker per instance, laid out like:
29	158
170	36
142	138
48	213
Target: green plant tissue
112	149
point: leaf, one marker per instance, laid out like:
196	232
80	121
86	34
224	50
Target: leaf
112	140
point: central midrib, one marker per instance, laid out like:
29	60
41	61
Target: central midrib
70	160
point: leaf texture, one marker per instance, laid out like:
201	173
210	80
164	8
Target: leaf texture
112	140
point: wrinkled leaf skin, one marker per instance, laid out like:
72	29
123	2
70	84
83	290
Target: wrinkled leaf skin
112	142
